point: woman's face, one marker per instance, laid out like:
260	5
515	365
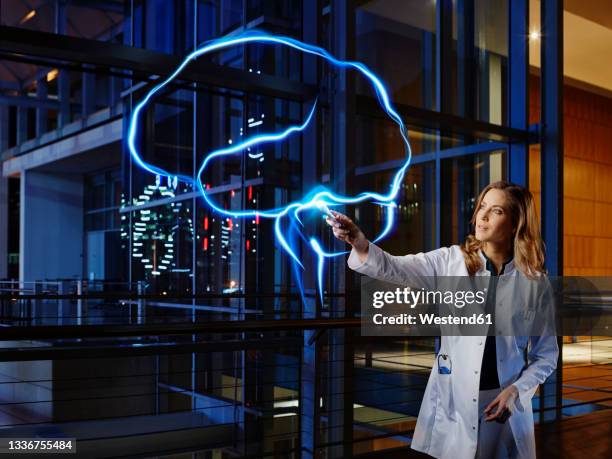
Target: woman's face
493	219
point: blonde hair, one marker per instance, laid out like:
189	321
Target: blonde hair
527	244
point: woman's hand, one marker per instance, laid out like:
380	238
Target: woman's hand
504	402
346	230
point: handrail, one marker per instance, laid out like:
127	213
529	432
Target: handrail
156	296
118	330
603	297
84	351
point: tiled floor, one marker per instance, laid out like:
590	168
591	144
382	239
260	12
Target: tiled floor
587	377
579	437
587	436
587	367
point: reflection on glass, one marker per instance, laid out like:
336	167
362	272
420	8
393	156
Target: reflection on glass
394	407
414	225
224	121
162	239
219	249
68	99
76	20
166	141
379	141
219	124
397	40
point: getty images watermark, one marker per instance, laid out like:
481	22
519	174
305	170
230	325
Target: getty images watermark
412	297
483	305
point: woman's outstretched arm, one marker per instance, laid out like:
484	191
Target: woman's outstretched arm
367	258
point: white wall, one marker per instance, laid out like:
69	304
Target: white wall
51	232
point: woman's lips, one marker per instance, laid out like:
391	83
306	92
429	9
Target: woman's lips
482	228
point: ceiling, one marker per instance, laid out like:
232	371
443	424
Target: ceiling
587	41
599	11
587	29
92	20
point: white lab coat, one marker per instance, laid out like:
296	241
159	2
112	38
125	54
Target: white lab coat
447	426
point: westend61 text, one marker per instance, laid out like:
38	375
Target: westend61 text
431	319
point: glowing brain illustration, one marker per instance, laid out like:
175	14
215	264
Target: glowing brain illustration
320	197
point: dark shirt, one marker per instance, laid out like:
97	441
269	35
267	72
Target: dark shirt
489	378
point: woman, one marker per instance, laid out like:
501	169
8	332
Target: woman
464	410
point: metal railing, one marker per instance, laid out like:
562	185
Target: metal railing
246	386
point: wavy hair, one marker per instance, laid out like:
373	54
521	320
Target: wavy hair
528	246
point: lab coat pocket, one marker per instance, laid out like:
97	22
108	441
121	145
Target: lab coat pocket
446	405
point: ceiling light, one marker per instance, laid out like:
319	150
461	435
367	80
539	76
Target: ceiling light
52	74
27	17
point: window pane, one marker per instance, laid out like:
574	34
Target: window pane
396	39
162	244
465	178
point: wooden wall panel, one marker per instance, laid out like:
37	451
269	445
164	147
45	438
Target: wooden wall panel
578	178
603	183
587	196
580	219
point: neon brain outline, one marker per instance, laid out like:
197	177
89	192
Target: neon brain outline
315	198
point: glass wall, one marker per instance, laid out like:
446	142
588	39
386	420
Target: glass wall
105	257
399	40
